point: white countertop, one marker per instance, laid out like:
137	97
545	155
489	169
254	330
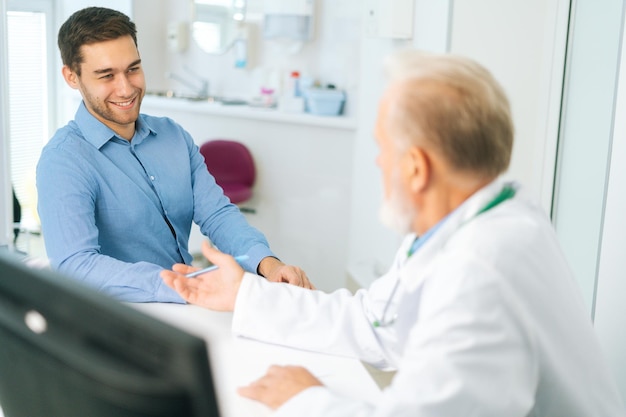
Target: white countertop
248	112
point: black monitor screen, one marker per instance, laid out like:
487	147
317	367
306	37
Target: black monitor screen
67	351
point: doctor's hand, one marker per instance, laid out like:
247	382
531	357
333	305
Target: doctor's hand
276	271
279	384
215	290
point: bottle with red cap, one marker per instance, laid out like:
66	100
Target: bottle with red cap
294	82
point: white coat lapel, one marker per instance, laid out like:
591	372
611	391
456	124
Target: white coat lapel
420	264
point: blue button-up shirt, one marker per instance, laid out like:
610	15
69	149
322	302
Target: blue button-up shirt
115	213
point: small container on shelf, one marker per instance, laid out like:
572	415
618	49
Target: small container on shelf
265	100
325	101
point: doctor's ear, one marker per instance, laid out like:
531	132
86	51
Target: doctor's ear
419	167
71	78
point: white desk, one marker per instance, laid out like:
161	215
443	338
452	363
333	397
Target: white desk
237	361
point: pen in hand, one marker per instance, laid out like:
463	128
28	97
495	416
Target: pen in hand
214	267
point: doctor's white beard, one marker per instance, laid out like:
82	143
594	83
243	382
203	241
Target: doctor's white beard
396	214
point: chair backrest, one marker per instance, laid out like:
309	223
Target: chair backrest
231	163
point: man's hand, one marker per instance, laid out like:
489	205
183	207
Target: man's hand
279	384
215	290
276	271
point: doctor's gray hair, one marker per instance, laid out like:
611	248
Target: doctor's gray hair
454	105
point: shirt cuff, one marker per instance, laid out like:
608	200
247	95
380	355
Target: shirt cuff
165	294
255	255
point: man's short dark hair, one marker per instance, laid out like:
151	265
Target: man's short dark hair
91	25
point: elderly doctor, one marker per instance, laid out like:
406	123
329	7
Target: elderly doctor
479	313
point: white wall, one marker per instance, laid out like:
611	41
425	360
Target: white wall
151	38
372	245
510	39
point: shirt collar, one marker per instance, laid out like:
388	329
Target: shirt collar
98	134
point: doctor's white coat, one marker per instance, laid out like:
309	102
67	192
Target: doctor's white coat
490	322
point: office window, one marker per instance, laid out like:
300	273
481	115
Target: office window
29	90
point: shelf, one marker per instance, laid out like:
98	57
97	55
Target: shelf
247	112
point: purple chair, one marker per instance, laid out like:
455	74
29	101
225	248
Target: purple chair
231	164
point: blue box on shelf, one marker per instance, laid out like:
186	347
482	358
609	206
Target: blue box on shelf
324	101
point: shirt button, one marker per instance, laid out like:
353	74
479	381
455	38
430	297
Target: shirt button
152	177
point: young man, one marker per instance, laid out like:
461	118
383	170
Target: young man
480	315
118	190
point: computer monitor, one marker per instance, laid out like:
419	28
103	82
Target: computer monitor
66	350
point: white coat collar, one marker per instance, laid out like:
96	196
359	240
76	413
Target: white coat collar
417	267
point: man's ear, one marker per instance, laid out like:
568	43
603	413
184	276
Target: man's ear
419	166
71	78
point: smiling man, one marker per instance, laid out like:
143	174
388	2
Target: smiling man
111	87
118	190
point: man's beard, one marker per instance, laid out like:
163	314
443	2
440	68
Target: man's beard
396	214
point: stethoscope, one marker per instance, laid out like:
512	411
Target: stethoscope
382	322
508	191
